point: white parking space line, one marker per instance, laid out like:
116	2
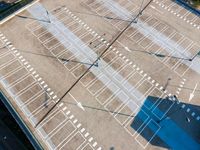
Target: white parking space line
168	65
90	55
70	33
23	97
179	14
145	29
151	135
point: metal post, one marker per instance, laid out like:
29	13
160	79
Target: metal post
140	11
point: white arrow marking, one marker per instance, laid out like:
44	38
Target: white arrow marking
192	94
80	106
126	48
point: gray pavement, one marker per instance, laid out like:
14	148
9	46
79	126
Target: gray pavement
84	51
157	37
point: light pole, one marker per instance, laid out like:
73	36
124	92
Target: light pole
140	12
48	15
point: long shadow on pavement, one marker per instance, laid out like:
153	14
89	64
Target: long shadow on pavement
166	123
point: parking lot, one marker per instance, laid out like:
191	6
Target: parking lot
33	97
62	44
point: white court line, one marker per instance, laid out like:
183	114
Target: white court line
165	111
114	88
5	53
156	9
60	53
128	87
46	39
177	13
146	92
40	34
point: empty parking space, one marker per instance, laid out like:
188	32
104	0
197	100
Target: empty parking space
51	124
125	72
40	102
19	87
9	68
98	85
87	147
29	94
157	95
13	78
148	132
6	59
75	142
125	112
179	12
115	103
133	80
122	89
137	123
62	134
144	87
88	78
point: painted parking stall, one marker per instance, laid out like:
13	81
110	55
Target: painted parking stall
100	83
27	89
146	31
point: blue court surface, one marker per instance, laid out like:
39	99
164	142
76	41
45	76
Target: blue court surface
165	128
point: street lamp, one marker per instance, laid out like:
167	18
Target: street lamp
47	12
140	12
